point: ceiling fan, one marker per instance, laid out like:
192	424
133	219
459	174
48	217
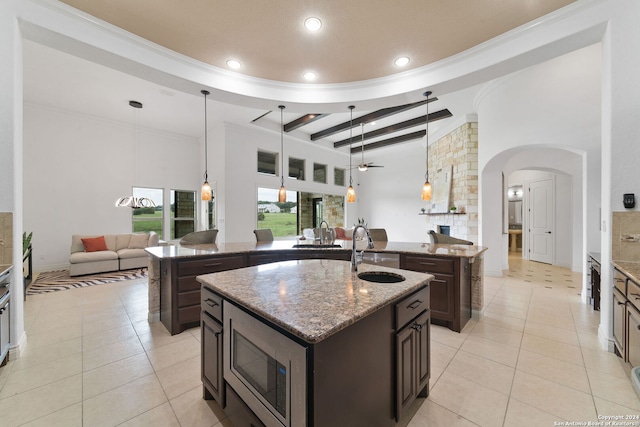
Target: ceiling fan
363	167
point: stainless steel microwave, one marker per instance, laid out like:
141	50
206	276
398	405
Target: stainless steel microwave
265	368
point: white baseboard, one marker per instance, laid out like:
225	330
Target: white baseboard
16	350
606	342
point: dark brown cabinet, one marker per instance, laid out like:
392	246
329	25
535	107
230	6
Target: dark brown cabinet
450	288
180	291
5	312
211	345
593	281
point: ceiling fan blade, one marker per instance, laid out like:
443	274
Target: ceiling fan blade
375	166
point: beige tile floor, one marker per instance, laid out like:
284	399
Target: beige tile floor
93	360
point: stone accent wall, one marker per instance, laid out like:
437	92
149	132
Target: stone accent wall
625	236
459	149
332	210
6	238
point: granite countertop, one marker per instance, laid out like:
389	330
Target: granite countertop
186	251
631	269
312	299
5	269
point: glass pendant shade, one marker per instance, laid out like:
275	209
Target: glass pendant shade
351	194
206	191
426	191
282	194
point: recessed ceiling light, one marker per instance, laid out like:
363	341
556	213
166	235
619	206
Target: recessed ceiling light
312	24
402	61
309	75
232	63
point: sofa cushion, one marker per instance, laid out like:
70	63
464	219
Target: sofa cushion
94	244
138	241
131	253
80	257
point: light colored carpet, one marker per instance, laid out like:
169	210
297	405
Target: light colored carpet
53	281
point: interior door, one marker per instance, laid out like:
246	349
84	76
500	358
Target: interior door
541	224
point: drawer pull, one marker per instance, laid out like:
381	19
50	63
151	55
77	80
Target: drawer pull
418	327
417	303
426	263
635	295
213	264
210	302
217	334
439	280
619	303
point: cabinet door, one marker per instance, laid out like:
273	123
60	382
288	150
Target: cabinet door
406	387
4	329
443	297
413	363
619	315
423	362
633	339
211	337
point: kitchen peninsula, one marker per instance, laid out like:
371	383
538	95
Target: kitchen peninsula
309	342
174	292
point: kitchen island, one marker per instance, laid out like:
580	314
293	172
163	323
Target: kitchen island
174	293
342	350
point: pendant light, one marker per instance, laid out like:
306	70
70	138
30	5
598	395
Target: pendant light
282	193
426	188
351	193
206	188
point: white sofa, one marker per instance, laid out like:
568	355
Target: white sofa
125	251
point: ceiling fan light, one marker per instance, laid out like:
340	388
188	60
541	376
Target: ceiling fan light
363	168
426	191
351	194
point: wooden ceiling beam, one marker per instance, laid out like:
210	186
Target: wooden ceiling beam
376	115
386	142
396	127
301	121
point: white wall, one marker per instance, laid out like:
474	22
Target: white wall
238	213
553	105
76	166
390	197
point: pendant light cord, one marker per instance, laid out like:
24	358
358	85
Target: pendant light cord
281	107
426	173
351	107
206	167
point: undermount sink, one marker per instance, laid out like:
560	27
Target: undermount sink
380	277
313	245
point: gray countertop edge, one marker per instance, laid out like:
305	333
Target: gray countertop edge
177	251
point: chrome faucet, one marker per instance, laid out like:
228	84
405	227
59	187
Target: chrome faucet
354	254
327	238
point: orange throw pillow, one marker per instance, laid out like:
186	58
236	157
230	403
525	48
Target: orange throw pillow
94	244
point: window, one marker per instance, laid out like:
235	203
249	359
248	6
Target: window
148	219
319	173
267	162
296	168
183	213
281	218
338	176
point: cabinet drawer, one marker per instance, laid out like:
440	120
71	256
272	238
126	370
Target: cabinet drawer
189	316
633	293
429	265
212	304
620	281
210	265
187	299
187	284
412	306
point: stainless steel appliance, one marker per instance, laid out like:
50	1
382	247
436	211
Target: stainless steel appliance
265	368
